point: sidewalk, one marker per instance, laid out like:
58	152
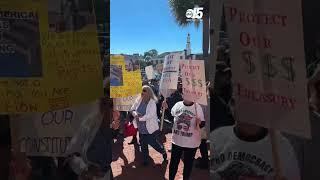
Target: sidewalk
127	163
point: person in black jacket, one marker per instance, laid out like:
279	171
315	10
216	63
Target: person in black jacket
221	95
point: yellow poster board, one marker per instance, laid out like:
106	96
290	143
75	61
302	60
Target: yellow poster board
123	83
48	63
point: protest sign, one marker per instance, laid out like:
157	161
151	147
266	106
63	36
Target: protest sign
149	72
194	81
49	133
159	68
170	73
125	103
123	83
47	64
268	69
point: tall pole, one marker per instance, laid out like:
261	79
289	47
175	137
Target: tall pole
205	49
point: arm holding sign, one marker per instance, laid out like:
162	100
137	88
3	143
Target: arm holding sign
200	121
134	107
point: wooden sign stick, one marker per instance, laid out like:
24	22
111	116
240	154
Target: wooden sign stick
275	154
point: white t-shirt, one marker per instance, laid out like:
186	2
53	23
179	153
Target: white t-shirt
185	132
232	157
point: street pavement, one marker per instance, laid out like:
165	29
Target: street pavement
127	163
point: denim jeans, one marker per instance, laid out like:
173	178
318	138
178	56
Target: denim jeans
150	139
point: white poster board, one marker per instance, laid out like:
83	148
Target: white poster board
268	65
194	81
149	72
170	73
124	104
49	133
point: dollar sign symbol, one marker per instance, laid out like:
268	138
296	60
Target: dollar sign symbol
247	57
287	64
270	70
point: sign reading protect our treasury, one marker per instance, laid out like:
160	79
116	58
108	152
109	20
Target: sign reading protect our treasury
124	82
47	62
268	69
194	81
49	133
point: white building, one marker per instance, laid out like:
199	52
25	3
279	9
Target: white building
185	54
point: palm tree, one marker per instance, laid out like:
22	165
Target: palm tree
150	54
179	8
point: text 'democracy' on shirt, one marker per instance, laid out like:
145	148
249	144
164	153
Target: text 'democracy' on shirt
233	157
185	132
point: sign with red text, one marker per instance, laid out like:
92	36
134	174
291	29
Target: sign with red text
193	81
170	72
49	133
268	68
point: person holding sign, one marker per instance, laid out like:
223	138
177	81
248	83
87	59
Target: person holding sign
144	111
244	152
186	136
90	150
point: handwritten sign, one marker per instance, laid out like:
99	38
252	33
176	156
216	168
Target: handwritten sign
49	133
194	81
170	73
50	68
125	103
268	69
123	83
149	72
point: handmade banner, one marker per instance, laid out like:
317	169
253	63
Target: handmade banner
268	69
47	63
170	73
123	83
149	72
194	81
49	133
124	104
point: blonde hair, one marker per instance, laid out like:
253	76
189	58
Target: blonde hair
149	94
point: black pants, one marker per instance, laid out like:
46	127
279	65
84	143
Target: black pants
176	154
150	139
204	151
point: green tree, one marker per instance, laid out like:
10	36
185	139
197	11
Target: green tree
150	54
180	7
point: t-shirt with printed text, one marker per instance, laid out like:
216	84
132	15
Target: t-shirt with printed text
185	132
233	158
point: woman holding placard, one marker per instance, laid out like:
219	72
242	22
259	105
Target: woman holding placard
144	111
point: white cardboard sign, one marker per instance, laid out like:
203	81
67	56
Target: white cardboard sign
268	65
194	81
149	72
49	133
170	73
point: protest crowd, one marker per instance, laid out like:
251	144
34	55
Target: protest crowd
246	124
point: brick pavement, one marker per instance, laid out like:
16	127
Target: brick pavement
127	163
